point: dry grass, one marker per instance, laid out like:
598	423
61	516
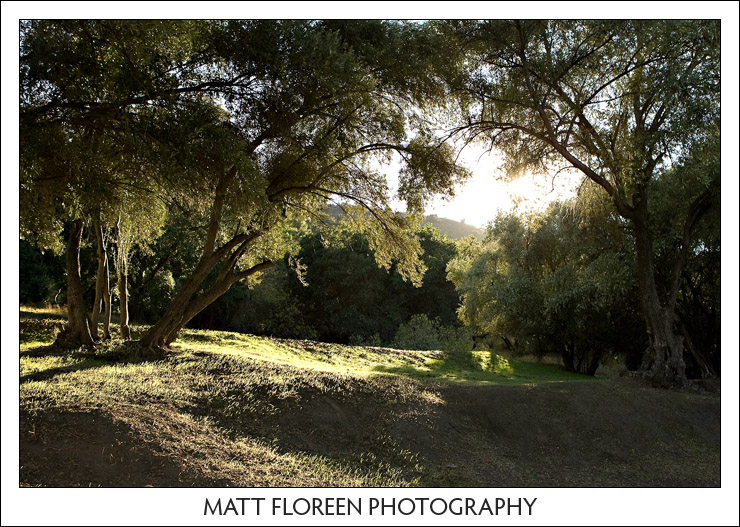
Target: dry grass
48	310
225	409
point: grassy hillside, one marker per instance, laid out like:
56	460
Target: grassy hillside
226	409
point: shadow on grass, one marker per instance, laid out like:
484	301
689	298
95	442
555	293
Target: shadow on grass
483	367
69	368
91	449
388	430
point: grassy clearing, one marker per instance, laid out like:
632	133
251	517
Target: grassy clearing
226	409
483	367
477	367
473	367
206	403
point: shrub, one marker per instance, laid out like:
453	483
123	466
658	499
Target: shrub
421	333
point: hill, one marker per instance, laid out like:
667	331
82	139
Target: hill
454	230
226	409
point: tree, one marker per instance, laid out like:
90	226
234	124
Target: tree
83	135
616	101
311	114
239	125
138	222
556	282
698	299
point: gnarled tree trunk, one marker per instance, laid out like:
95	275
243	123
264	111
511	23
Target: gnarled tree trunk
663	361
77	332
181	312
187	303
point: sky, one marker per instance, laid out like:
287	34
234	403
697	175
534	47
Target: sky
478	200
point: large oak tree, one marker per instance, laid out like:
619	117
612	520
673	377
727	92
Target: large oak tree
238	125
618	102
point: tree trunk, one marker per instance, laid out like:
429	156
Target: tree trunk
663	360
102	285
184	307
508	343
567	353
172	320
123	295
705	367
77	332
106	302
222	285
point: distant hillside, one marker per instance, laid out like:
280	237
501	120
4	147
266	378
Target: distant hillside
454	229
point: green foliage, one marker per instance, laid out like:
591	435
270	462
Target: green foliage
87	143
348	296
614	101
421	333
550	284
266	308
341	294
455	338
42	276
240	126
620	96
221	140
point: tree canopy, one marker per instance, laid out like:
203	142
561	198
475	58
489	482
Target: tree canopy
196	147
240	124
555	282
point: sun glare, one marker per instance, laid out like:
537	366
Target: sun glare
478	200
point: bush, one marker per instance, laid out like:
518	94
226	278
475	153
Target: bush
455	338
421	333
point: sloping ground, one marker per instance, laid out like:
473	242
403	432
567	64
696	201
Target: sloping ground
209	417
611	433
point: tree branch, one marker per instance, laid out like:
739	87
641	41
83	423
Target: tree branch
698	208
